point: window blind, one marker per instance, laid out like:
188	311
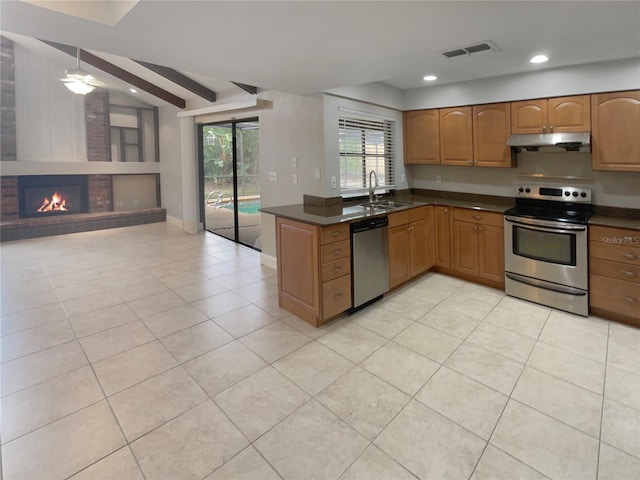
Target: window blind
365	143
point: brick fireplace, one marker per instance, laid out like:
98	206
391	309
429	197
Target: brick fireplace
89	206
52	195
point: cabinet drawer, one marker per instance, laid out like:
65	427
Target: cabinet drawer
407	216
615	237
621	271
336	269
336	296
334	251
334	233
617	253
478	216
615	296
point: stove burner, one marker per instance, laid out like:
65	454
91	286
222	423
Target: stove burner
556	204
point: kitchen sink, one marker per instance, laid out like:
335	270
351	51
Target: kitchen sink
386	204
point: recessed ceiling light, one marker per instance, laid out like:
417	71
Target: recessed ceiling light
133	90
430	78
539	59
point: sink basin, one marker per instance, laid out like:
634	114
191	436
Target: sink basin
386	204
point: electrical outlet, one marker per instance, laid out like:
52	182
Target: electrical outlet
295	179
317	172
403	179
136	203
438	179
334	183
273	176
294	162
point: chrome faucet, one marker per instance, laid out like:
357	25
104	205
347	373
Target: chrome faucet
372	188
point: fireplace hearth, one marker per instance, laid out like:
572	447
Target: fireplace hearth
52	195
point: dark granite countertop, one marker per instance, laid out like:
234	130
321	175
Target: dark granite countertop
350	211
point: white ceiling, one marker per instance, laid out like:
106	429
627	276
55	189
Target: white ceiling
306	47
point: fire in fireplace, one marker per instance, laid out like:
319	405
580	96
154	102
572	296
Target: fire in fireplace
44	195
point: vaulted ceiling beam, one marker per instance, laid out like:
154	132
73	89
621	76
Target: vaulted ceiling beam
247	88
120	73
180	79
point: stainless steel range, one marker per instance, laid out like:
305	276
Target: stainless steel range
545	238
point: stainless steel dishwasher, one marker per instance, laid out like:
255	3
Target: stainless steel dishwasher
370	264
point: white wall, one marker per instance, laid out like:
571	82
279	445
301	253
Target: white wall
595	77
293	127
49	118
619	189
170	166
375	93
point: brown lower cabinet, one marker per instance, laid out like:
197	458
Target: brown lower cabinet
314	269
478	245
442	219
411	244
614	273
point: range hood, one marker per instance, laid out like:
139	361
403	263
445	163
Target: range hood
558	142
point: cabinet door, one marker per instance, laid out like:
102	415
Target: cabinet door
614	129
456	136
491	130
465	247
569	114
422	136
398	255
443	236
419	256
298	273
491	252
529	116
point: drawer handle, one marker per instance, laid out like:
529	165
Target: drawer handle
337	251
631	300
627	273
630	256
478	217
337	269
336	233
337	296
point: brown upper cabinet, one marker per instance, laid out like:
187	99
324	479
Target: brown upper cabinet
552	115
422	136
615	131
456	136
491	130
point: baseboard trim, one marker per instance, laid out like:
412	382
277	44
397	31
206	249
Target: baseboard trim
174	221
268	260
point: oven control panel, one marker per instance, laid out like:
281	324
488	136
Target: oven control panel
555	193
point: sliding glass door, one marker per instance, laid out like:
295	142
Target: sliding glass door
231	181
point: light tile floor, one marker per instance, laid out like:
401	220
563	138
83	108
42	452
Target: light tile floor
144	352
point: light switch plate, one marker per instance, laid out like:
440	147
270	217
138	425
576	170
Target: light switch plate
295	179
273	176
334	183
294	162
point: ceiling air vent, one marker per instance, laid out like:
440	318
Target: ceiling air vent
469	50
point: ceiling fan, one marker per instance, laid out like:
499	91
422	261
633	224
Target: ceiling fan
79	81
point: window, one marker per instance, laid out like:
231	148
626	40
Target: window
365	143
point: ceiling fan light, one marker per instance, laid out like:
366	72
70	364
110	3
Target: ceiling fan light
79	87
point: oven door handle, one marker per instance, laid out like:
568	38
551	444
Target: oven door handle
545	285
545	226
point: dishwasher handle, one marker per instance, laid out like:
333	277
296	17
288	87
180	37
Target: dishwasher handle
369	224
